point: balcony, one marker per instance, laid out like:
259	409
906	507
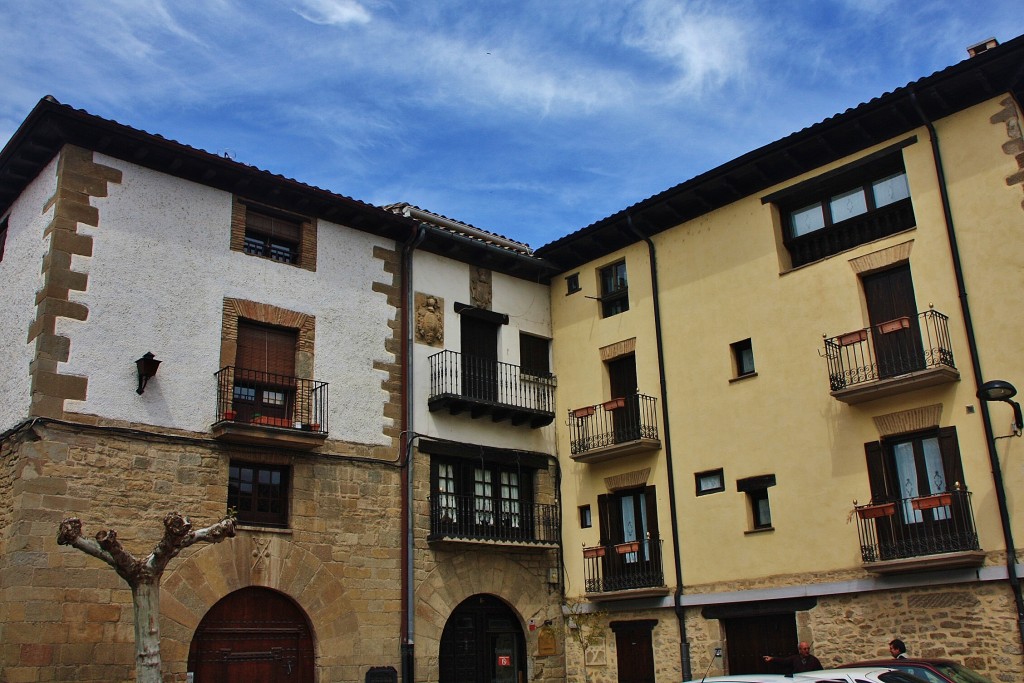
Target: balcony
478	520
897	356
461	383
264	409
622	571
613	429
919	534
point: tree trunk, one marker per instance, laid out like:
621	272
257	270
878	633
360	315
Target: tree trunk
146	601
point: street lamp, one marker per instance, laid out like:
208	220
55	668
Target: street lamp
1001	390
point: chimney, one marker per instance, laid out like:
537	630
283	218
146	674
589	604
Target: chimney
983	46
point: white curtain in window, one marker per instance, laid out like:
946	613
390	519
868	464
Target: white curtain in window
483	496
906	470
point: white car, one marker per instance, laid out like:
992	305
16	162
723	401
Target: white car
866	674
872	674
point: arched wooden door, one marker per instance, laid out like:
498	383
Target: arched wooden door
254	635
482	642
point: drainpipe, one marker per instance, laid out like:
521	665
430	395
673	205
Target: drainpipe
408	629
972	345
684	644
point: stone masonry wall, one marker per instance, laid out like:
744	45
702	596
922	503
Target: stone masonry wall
65	616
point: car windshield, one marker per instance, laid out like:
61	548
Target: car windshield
960	674
899	677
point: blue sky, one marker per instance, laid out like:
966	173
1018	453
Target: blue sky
529	118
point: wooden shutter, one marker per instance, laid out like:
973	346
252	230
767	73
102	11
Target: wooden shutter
271	226
950	450
266	349
651	503
877	471
604	519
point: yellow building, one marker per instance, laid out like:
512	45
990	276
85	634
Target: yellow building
769	375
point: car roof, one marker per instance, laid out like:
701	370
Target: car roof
904	660
747	678
832	674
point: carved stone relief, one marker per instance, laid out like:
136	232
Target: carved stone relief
429	320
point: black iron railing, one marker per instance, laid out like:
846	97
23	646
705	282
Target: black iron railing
623	566
847	234
270	400
468	517
619	420
912	527
490	381
890	349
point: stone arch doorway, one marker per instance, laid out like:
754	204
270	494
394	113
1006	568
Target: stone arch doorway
482	642
253	635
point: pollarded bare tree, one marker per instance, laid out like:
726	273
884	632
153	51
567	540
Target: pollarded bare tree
143	575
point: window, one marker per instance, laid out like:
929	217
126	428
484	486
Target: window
756	489
586	521
711	481
905	467
572	283
279	236
259	493
533	355
271	237
743	358
614	290
861	202
484	499
264	386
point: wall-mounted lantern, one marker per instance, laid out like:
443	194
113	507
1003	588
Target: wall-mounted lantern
147	366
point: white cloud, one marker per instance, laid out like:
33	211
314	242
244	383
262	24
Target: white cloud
704	47
333	12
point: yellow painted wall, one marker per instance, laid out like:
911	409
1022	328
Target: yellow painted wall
722	280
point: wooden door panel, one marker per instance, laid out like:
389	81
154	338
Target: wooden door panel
749	639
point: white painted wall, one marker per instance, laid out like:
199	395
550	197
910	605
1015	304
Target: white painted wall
20	278
160	269
529	309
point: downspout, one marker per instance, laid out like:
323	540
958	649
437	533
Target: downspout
684	644
972	345
408	629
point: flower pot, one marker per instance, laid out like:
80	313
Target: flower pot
875	511
585	411
853	337
614	404
930	502
596	551
894	325
627	547
230	415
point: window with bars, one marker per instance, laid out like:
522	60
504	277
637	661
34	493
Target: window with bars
272	237
534	357
491	494
259	493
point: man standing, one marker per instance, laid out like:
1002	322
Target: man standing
803	660
898	649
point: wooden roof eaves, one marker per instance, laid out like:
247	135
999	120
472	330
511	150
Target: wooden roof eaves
51	125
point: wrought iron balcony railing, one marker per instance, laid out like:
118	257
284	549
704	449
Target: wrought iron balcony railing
477	518
265	399
479	386
915	527
623	566
893	348
620	420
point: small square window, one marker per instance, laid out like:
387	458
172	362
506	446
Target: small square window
711	481
273	234
572	283
259	493
743	358
585	520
